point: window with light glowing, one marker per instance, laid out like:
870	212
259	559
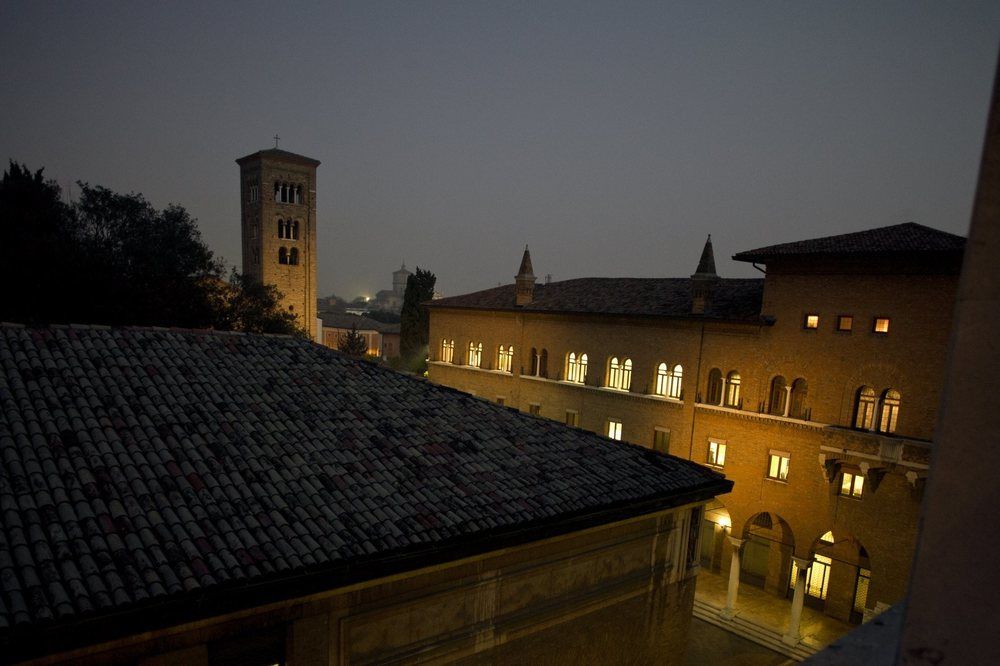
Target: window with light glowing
662	378
475	356
716	453
576	368
881	325
777	466
852	485
505	358
614	429
864	408
811	321
620	374
733	389
845	323
889	412
448	351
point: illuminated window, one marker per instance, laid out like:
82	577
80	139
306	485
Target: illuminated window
890	411
733	389
818	576
448	351
864	408
714	393
662	375
620	374
845	322
576	368
505	358
573	418
282	255
852	485
881	325
811	321
614	429
674	383
534	409
475	357
777	466
661	440
716	453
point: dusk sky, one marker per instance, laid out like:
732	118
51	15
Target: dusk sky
610	137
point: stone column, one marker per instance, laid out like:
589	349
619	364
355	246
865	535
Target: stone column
788	400
791	637
734	578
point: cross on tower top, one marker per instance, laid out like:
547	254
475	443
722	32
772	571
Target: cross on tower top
276	137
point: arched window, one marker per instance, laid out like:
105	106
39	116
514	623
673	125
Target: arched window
534	363
714	394
298	195
576	368
277	192
864	408
890	411
662	377
626	378
282	256
797	407
543	363
733	389
295	229
293	256
674	386
614	373
776	405
475	354
505	358
448	350
583	369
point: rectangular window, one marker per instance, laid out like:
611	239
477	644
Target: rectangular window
501	400
852	485
881	325
811	321
661	440
614	429
777	466
845	323
534	409
717	453
573	418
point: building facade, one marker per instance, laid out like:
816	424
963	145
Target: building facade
278	218
814	389
382	339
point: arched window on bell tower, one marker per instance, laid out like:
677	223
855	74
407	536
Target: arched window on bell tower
282	255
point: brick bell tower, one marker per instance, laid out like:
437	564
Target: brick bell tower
278	204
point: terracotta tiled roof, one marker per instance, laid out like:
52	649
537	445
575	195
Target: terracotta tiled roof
278	154
143	468
732	299
337	320
900	238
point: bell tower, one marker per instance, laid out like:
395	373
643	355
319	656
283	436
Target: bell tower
278	218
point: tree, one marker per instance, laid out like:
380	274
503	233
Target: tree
414	321
353	343
114	259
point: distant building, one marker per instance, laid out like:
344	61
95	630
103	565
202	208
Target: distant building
391	300
278	202
382	339
815	389
201	498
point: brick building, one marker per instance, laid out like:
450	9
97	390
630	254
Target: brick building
815	389
278	218
172	497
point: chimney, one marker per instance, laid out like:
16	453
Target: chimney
704	280
524	281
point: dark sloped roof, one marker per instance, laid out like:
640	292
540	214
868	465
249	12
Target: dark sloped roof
909	237
278	154
150	469
732	299
345	320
